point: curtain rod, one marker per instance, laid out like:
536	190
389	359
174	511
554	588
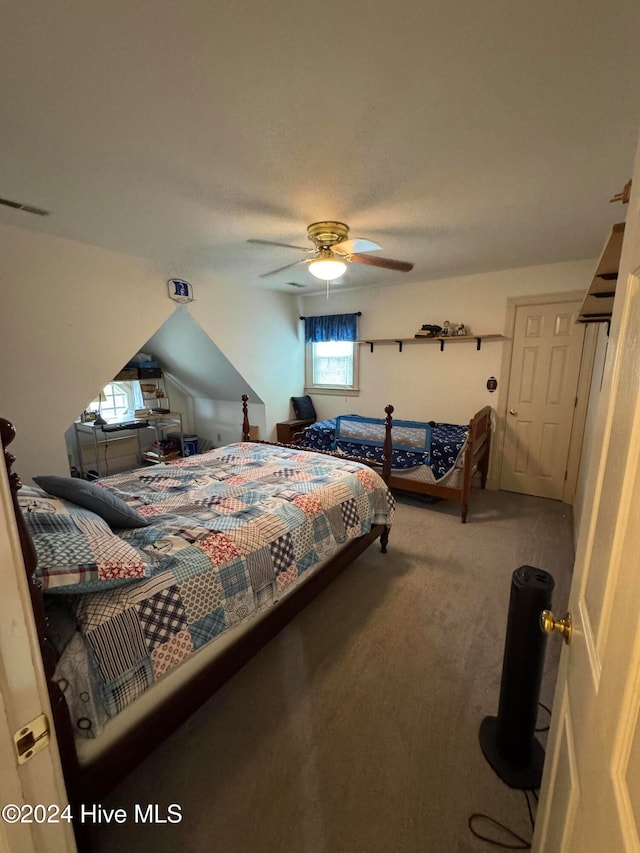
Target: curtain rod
357	313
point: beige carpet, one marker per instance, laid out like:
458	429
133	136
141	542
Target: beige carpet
356	729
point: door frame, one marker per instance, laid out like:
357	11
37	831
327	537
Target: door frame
23	697
582	391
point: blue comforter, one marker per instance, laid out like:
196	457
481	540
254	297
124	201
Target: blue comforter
447	441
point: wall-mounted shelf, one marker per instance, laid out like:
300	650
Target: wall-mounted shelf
597	306
449	339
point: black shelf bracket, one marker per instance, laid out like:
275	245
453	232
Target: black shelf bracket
399	346
370	345
441	345
478	343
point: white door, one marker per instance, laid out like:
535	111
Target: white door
590	797
23	697
543	381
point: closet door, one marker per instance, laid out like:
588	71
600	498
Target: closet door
545	365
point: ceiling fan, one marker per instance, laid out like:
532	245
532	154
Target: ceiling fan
332	249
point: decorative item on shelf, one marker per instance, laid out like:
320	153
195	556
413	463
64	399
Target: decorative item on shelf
446	329
462	330
428	331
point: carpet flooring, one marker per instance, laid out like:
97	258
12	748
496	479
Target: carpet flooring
356	729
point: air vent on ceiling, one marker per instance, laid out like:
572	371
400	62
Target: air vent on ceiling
295	284
28	208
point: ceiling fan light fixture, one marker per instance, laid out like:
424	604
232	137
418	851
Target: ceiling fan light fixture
327	269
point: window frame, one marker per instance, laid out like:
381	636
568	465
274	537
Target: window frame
121	387
344	390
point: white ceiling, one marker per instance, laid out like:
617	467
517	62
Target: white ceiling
463	136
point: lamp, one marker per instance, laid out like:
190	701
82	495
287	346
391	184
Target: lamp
327	267
99	420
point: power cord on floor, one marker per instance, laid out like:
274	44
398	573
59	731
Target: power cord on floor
548	710
521	843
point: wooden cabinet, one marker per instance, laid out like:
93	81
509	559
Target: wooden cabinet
286	430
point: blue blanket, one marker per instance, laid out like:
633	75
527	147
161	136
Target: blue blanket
447	441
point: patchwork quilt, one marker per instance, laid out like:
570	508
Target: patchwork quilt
446	444
231	530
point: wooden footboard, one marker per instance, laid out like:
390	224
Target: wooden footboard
476	459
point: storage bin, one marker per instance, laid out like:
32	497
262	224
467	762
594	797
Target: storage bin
149	373
127	374
189	445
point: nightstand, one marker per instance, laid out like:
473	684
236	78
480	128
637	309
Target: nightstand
286	429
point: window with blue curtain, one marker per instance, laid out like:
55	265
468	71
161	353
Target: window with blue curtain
331	362
331	327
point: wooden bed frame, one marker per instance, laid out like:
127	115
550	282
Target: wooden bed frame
476	459
88	783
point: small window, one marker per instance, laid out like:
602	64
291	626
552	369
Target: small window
332	365
118	400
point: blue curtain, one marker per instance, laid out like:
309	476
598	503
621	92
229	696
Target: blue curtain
331	327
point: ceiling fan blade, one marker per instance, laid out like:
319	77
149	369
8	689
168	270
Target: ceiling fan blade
286	245
281	269
386	263
358	244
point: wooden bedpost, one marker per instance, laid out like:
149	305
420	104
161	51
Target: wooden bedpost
7	434
245	419
59	709
387	447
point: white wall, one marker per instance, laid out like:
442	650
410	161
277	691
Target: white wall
221	422
211	387
421	382
73	315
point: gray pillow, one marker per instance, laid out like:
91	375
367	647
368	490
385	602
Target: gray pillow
115	511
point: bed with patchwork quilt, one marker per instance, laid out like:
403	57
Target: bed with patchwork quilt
232	542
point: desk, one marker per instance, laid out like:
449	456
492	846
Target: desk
102	433
159	424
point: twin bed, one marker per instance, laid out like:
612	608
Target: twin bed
432	458
154	588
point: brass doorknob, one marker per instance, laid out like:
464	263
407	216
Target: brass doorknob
512	412
549	624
